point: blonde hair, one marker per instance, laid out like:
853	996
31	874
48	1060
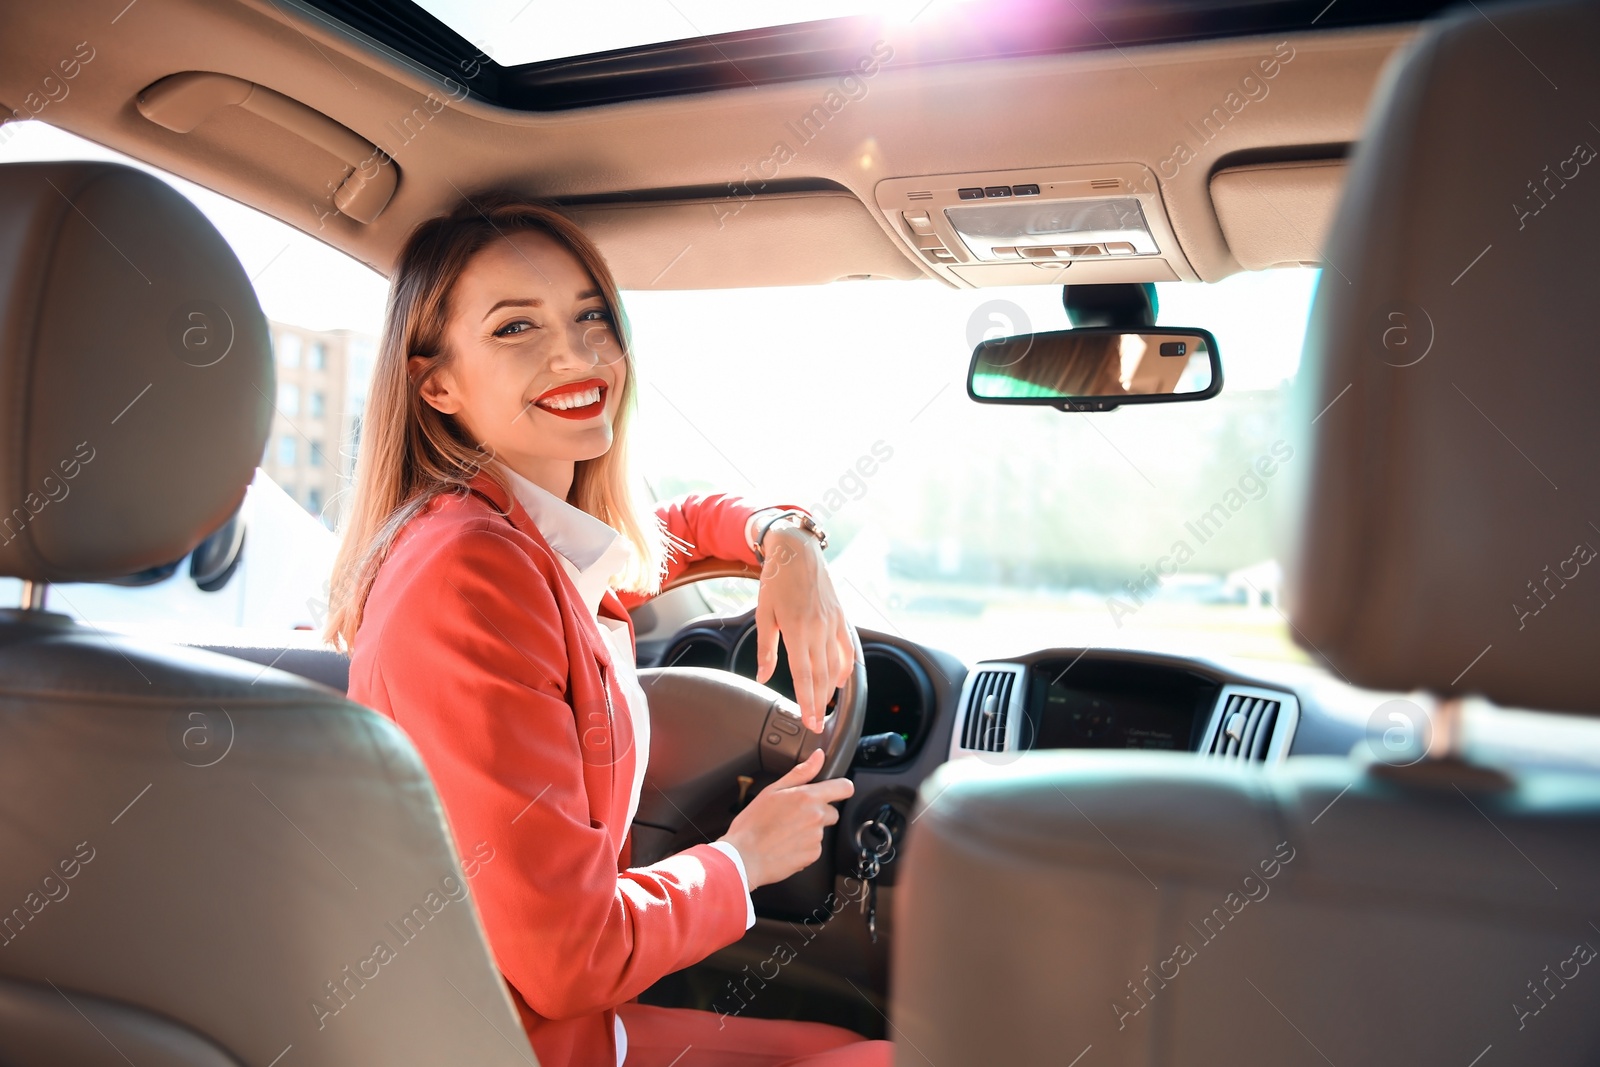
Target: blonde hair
410	452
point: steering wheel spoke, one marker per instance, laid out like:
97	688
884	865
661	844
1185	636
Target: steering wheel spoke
703	723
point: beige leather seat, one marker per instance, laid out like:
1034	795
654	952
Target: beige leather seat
1156	909
202	861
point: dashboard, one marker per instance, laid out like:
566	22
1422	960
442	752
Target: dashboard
995	710
1049	699
1235	713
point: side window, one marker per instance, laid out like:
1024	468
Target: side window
286	346
324	311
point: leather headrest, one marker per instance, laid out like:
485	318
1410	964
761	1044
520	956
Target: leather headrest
1449	529
136	373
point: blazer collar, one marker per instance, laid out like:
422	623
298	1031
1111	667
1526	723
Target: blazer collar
512	508
593	551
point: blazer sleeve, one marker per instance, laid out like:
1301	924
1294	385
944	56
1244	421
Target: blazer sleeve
703	527
475	664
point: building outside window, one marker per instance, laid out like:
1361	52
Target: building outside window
322	391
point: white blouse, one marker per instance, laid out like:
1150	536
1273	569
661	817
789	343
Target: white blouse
592	554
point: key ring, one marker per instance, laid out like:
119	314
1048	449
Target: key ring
888	837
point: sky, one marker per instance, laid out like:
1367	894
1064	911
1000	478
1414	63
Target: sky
520	31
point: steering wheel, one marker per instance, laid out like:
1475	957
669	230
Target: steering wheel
711	727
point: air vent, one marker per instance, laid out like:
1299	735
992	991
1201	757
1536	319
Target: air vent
988	708
920	194
1105	183
1251	725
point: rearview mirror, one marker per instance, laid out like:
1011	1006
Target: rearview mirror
1097	368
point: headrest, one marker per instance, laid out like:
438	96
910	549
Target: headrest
136	375
1449	528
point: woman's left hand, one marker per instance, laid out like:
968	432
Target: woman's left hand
797	601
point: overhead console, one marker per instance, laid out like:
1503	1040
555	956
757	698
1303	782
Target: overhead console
1051	225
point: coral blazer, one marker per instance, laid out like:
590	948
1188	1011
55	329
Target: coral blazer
475	641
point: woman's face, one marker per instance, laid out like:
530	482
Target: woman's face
535	370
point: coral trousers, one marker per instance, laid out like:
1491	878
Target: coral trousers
685	1037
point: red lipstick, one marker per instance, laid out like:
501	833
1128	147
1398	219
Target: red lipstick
565	401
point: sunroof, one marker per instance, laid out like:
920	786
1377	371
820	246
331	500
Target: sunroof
513	32
543	56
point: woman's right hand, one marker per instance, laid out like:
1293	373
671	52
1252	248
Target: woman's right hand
780	831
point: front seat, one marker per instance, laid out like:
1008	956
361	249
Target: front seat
205	862
1157	909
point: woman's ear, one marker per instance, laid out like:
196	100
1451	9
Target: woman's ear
437	388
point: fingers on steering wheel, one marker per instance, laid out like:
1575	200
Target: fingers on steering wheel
766	641
831	667
804	690
847	654
824	674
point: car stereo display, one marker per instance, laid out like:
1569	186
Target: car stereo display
1087	718
1109	705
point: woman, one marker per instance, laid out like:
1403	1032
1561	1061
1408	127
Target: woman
491	520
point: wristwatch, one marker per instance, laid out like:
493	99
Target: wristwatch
799	518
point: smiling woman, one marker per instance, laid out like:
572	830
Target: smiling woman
477	588
460	413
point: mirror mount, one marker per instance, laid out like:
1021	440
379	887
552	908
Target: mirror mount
1126	306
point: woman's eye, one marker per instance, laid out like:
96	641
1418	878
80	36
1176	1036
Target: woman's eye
513	328
595	315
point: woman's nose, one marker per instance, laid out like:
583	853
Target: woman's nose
579	350
593	343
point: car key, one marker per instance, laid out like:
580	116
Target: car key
868	864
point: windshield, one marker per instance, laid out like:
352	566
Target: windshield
979	529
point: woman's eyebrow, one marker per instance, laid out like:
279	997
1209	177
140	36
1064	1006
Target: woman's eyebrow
534	302
515	302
